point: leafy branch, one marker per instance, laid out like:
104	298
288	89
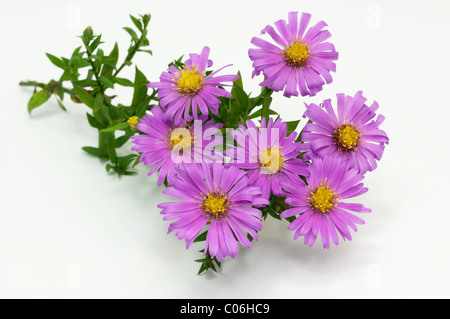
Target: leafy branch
102	75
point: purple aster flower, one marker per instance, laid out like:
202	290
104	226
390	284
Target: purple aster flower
167	145
186	91
269	156
301	60
351	135
219	197
321	204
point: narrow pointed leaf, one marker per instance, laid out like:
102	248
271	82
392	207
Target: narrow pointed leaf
137	23
56	61
95	151
84	96
292	125
140	88
38	99
108	69
115	127
258	114
61	105
132	33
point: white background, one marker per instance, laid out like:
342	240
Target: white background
70	230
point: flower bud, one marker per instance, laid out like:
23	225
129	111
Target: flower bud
88	35
133	122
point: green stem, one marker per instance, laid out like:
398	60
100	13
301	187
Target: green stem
43	86
32	83
266	105
97	78
105	142
153	96
102	141
130	55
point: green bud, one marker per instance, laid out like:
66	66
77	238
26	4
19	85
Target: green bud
88	35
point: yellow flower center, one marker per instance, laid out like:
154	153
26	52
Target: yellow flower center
133	122
271	160
322	199
180	137
296	54
189	82
215	204
346	138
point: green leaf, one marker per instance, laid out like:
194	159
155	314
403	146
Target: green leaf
125	161
202	269
201	237
106	82
84	96
98	102
109	67
115	127
56	61
290	219
238	82
147	51
100	111
88	81
177	63
93	122
124	111
95	44
114	113
60	92
61	105
137	23
123	82
137	160
140	88
108	143
242	97
38	99
299	137
292	125
146	19
76	52
129	173
132	33
121	140
142	108
109	167
258	114
65	60
95	151
273	214
235	113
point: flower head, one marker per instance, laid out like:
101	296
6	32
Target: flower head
301	59
133	122
219	197
269	155
167	145
321	204
184	92
352	135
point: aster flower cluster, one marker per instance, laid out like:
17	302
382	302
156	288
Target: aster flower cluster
305	179
227	172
